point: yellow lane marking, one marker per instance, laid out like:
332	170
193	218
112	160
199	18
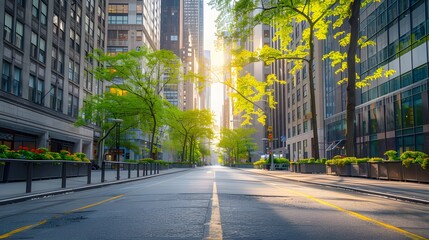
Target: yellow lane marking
21	229
215	227
362	217
94	204
6	235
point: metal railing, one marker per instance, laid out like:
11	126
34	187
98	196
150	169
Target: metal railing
29	170
56	173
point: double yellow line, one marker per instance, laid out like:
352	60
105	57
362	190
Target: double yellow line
21	229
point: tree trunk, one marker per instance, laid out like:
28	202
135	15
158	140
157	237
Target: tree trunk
315	142
184	147
152	140
351	83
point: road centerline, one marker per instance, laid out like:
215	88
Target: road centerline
215	225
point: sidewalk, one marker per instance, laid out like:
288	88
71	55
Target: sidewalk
407	191
15	191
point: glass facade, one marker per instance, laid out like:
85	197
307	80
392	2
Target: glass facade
391	113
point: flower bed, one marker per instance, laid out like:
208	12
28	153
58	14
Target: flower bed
45	164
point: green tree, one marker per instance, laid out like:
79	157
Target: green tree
142	75
237	19
189	127
350	11
236	143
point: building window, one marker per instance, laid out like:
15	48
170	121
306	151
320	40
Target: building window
305	126
35	90
16	89
6	71
42	50
32	88
56	98
298	95
139	19
8	26
33	47
298	112
60	67
55	24
118	14
139	35
76	73
73	105
299	129
43	13
304	90
35	9
71	70
19	34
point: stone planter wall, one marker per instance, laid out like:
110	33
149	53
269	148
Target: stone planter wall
415	173
360	170
312	168
394	170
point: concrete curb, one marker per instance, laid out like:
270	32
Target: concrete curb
6	201
375	193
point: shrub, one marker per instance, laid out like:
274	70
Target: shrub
146	160
375	159
280	161
391	155
409	157
260	163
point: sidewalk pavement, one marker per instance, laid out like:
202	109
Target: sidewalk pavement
12	192
406	191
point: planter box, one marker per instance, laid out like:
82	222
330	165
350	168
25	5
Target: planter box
1	171
343	170
312	168
281	166
18	170
359	170
415	173
394	170
373	169
382	171
331	169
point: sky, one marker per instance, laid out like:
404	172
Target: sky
216	57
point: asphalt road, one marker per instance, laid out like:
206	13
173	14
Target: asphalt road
214	203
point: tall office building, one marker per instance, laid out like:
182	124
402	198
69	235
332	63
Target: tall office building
391	114
132	24
171	38
292	117
192	52
45	75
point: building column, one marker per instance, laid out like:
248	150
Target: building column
43	140
90	151
78	146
